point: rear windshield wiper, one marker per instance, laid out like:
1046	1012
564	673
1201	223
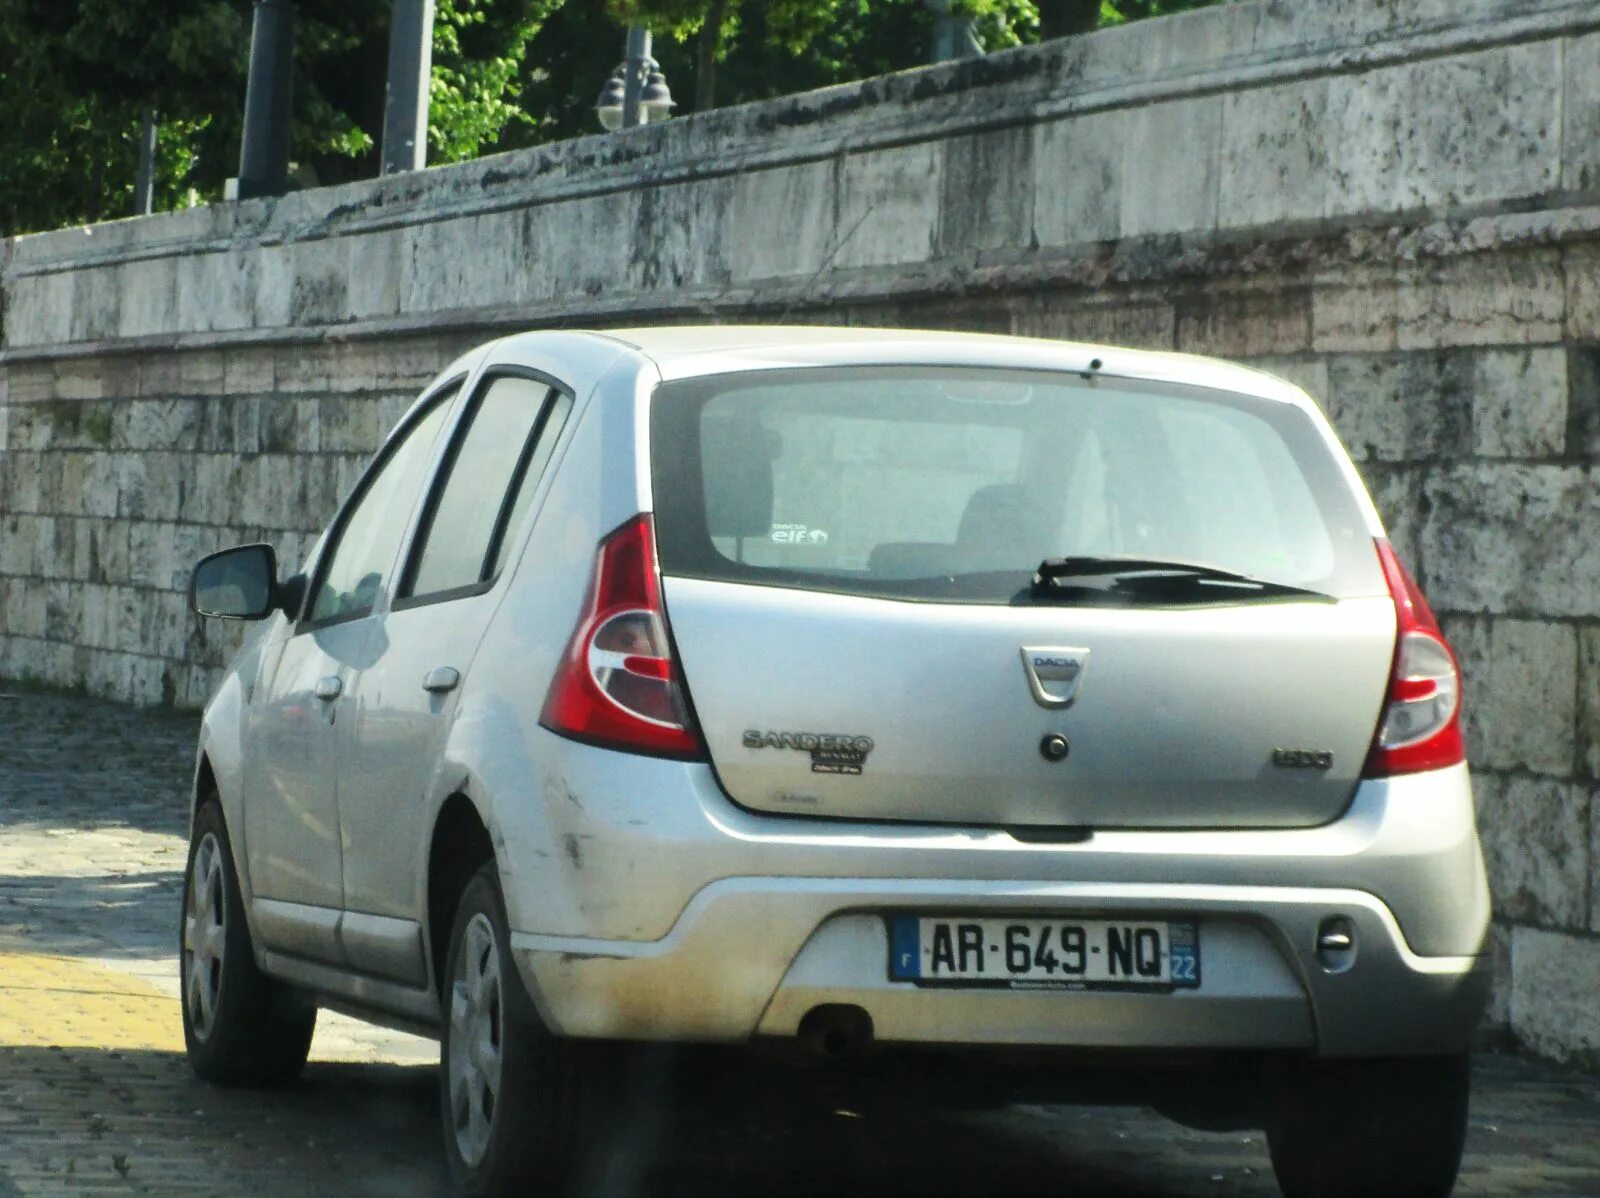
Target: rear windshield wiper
1064	576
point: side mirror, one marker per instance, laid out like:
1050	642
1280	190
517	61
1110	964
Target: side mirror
239	584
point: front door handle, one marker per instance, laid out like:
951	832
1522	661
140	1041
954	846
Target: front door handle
440	680
329	687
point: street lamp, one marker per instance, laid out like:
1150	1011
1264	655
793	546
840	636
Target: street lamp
636	92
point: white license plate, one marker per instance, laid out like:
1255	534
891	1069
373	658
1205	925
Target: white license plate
1029	954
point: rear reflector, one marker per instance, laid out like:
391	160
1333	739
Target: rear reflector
1421	724
617	684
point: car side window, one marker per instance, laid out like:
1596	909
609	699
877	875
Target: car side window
359	561
560	406
495	463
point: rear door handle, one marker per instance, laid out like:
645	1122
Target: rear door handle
329	687
440	680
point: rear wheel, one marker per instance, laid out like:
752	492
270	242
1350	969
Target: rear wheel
240	1027
1343	1129
507	1087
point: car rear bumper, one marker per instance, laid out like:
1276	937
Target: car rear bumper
752	956
683	917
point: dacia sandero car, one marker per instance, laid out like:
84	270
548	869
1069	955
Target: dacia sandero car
875	693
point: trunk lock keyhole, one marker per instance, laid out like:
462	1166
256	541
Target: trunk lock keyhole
1054	747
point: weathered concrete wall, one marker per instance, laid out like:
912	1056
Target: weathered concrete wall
1397	204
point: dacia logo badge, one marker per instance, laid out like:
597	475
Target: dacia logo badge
1055	674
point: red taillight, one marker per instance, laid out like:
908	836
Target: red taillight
1421	724
617	684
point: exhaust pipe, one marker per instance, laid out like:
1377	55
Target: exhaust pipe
835	1031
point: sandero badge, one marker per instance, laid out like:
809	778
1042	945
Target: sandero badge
830	753
1055	674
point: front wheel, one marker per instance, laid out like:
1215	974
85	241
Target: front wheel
1351	1129
507	1087
240	1027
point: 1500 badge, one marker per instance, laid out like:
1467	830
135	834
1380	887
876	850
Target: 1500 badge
831	753
1302	759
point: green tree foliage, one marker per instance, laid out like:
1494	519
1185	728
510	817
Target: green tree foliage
76	77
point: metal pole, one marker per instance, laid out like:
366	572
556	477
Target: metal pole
954	36
268	102
638	56
405	106
144	187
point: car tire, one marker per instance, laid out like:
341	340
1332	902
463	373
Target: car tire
1342	1129
508	1089
240	1027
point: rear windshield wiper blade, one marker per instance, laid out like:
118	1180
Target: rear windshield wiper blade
1065	575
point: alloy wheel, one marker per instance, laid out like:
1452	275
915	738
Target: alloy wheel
205	935
475	1058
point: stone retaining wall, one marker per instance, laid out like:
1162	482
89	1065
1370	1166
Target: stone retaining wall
1397	205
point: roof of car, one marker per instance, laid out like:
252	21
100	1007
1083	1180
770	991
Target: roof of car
686	350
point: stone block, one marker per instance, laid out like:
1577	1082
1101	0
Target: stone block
1581	268
1535	835
1246	324
39	309
1512	537
1521	700
95	305
274	285
1401	407
1171	167
377	264
1413	136
216	291
986	192
1580	143
1588	704
248	371
1503	299
800	200
101	551
1069	318
75	379
170	424
19	479
349	424
319	293
1077	179
148	297
680	237
1357	311
888	206
1275	154
1519	402
584	245
1553	1008
22	607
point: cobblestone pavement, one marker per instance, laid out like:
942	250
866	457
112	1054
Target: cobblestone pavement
95	1096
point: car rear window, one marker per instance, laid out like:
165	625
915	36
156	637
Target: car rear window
954	484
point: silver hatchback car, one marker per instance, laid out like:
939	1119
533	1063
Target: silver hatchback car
867	694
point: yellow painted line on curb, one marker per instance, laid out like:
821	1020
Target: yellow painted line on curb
62	1002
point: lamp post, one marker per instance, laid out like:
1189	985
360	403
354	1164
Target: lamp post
637	92
405	107
144	187
954	35
268	102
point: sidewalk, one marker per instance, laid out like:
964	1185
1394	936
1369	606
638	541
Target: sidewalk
95	1096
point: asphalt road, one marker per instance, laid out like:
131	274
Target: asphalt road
95	1096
